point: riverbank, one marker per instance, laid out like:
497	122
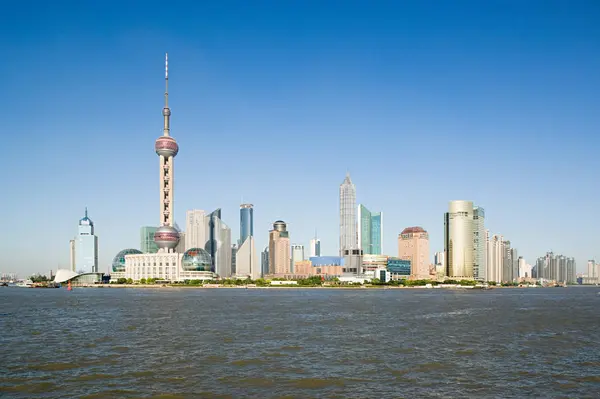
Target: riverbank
279	287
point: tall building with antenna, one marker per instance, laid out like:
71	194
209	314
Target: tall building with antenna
315	246
86	246
166	236
168	264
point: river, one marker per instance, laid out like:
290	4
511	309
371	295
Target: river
299	343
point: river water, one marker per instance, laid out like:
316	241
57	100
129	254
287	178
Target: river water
299	343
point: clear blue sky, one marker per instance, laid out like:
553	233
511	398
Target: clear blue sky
423	102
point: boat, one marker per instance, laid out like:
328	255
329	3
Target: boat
24	284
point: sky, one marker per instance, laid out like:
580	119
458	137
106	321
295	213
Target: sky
422	102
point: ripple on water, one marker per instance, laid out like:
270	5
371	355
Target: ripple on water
316	383
31	388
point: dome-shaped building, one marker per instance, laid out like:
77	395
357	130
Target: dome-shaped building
196	260
118	263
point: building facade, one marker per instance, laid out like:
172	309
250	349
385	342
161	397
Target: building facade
246	222
458	240
86	248
264	261
413	245
315	247
495	257
195	229
348	236
479	244
246	260
297	255
147	244
72	256
369	231
279	249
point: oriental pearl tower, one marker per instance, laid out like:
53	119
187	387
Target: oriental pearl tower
166	236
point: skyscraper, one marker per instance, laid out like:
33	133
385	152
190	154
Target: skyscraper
370	231
348	236
279	249
147	244
264	261
297	255
246	260
195	229
479	244
458	239
507	266
315	247
166	236
218	243
86	251
413	245
72	255
495	256
246	221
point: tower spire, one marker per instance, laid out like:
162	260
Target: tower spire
166	110
86	212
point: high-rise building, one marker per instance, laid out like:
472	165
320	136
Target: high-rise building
413	245
439	261
169	263
348	236
514	256
315	247
246	263
246	260
86	251
147	244
218	244
495	257
592	270
507	263
458	239
524	268
297	255
264	261
246	221
557	268
195	229
479	244
279	249
166	236
72	255
370	231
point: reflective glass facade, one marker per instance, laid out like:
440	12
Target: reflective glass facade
398	267
246	222
370	231
147	244
327	260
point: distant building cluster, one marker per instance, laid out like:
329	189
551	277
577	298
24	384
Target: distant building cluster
205	251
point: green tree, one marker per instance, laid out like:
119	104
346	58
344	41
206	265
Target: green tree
129	281
121	280
142	281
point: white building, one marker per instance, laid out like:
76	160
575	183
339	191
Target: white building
458	239
86	251
297	255
495	258
246	260
348	234
524	268
195	229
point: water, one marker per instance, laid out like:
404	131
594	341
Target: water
300	343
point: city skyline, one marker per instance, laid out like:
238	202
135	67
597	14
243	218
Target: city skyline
539	93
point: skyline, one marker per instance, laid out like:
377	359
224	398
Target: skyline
327	105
